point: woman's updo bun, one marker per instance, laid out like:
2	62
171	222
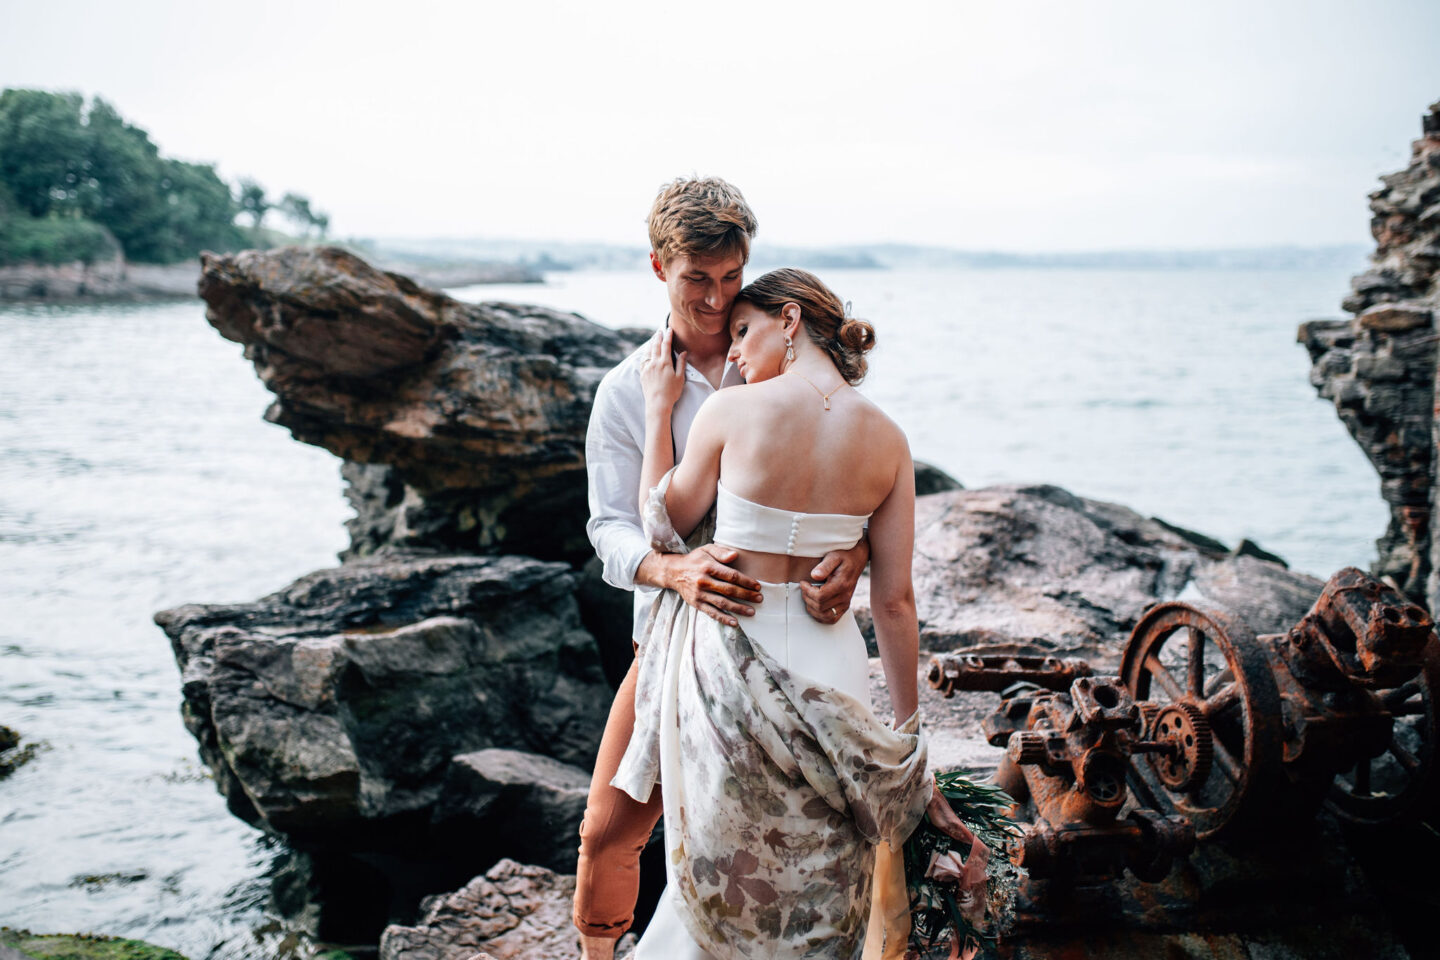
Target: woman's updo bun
845	339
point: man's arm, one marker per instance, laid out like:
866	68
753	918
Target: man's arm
834	578
613	465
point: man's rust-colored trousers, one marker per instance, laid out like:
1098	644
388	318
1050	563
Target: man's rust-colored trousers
613	833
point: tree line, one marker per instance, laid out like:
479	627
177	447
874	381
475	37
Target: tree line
77	182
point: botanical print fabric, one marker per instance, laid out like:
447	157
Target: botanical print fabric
776	789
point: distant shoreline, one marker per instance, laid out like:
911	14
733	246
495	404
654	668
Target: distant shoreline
115	281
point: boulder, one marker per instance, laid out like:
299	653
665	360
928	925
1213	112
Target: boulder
512	912
509	803
474	414
1378	367
1037	569
338	702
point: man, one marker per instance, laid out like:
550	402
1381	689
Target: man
700	232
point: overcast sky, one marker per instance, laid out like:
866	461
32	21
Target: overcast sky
1001	125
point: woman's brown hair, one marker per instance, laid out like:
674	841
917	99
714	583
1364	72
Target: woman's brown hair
846	339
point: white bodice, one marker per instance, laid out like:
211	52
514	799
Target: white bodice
747	525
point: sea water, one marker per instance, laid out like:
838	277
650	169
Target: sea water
136	474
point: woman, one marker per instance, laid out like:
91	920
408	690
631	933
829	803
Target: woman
779	782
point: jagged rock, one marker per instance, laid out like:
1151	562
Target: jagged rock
1379	368
13	755
338	702
1038	569
509	803
477	411
931	479
512	912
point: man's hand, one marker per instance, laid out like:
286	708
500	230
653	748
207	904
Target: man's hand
706	581
828	596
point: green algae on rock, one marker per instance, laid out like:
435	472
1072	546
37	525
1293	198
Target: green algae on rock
80	946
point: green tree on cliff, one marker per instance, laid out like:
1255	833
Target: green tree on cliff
73	175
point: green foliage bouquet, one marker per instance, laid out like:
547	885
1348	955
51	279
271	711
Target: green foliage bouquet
942	914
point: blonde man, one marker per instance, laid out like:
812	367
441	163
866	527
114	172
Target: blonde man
700	232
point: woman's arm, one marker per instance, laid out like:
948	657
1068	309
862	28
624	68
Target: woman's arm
892	595
692	488
662	378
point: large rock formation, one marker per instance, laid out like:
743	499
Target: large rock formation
341	702
1379	367
438	696
1037	569
470	418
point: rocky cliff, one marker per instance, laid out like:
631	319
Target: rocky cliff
1379	366
433	704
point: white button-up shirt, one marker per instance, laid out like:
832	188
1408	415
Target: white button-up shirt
614	452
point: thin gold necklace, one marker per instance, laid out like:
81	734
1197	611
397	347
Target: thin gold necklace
823	396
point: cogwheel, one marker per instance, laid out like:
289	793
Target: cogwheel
1148	712
1184	725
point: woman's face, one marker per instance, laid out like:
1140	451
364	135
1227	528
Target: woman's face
757	343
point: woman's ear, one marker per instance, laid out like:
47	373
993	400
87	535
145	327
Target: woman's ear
790	319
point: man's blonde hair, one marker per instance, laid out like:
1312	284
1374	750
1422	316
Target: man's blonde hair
700	216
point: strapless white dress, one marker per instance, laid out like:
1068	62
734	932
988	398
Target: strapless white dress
832	655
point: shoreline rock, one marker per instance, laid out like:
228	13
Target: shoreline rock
112	280
469	418
24	945
336	706
1035	569
1379	369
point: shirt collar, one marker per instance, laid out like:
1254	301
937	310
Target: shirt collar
729	377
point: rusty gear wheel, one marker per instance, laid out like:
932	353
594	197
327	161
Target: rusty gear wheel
1185	653
1184	725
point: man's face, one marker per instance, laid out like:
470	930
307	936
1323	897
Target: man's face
701	291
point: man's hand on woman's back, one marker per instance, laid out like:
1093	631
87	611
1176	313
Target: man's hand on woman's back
706	581
833	581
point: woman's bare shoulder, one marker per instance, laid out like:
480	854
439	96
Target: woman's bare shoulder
879	425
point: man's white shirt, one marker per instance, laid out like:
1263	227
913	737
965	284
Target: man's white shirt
614	452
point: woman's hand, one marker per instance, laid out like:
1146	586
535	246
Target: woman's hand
662	376
943	818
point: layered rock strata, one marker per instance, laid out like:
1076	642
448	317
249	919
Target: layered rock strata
471	417
342	701
1379	367
513	912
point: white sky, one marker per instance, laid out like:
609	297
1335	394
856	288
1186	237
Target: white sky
1006	125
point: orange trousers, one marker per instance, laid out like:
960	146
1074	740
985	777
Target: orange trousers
613	833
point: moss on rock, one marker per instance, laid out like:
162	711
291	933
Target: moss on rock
81	946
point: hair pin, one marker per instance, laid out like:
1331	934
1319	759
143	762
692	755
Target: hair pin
848	314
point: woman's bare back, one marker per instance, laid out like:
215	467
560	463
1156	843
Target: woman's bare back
783	449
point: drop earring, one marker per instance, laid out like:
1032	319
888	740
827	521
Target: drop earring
789	350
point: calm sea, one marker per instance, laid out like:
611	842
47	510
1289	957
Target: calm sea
136	474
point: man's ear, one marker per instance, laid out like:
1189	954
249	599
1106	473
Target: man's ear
657	266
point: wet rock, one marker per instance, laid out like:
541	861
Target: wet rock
1035	569
1379	367
513	911
24	945
478	411
509	803
338	702
14	754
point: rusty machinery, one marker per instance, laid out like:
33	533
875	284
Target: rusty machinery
1209	727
